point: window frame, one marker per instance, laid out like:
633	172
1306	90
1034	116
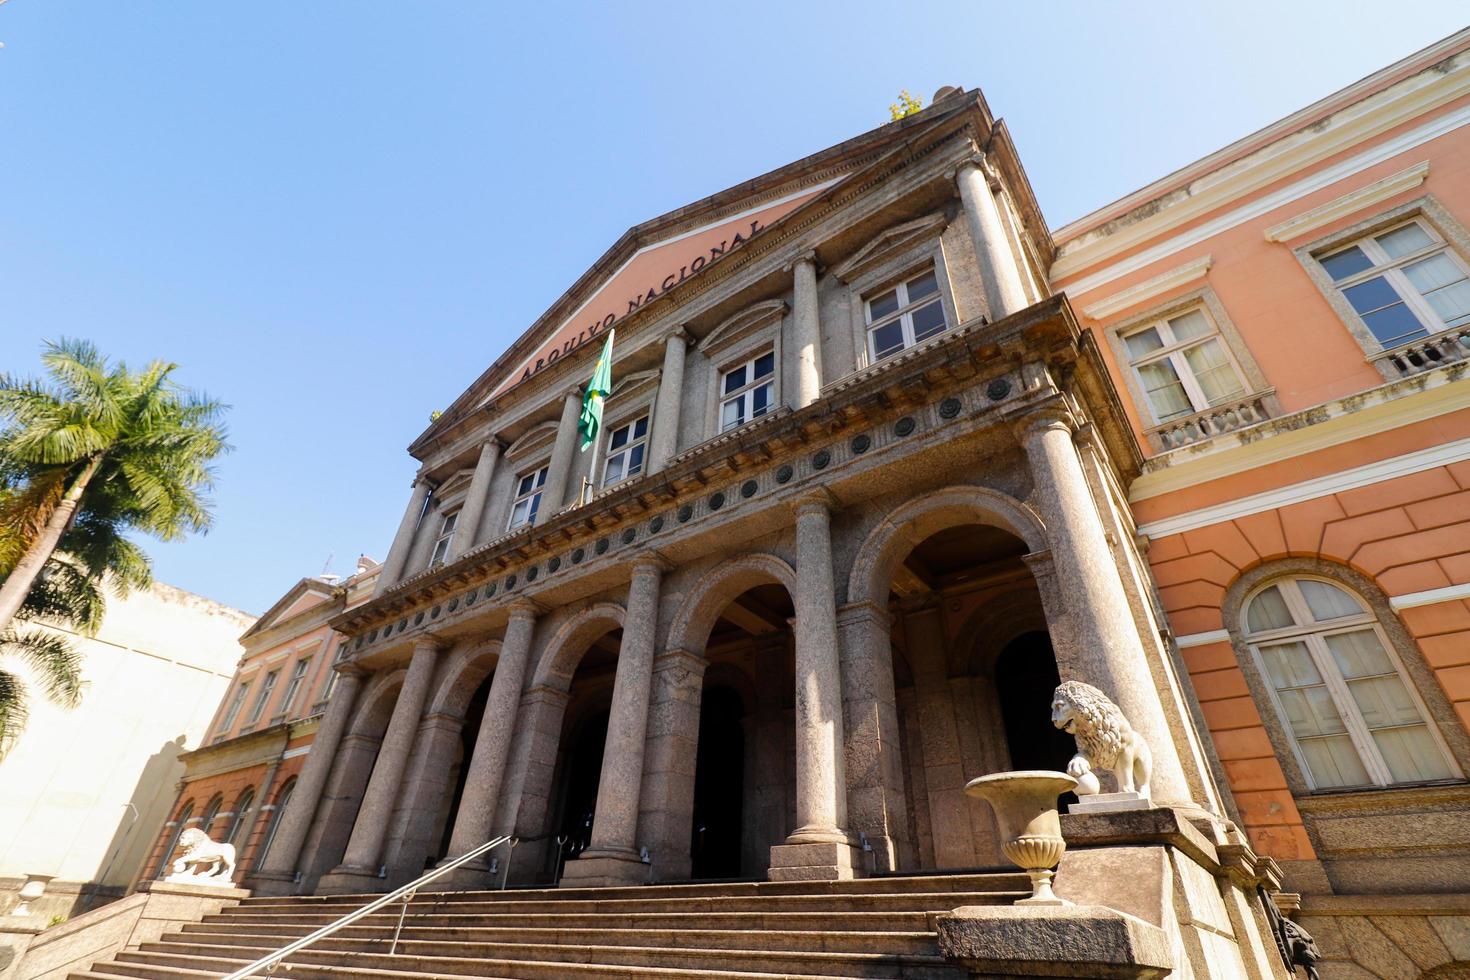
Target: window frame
1173	351
439	552
244	803
267	688
1312	636
903	314
538	472
232	713
294	684
644	415
747	360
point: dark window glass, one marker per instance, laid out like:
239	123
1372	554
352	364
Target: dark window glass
1346	263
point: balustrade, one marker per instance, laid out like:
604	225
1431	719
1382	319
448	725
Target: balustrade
1213	421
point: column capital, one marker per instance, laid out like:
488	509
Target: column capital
864	611
1050	415
524	607
677	657
810	255
572	391
493	442
815	498
350	670
978	160
429	641
648	561
679	333
545	694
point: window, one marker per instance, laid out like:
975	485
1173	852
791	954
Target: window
747	390
266	687
441	543
1353	718
238	702
341	655
905	315
282	800
237	822
173	839
625	450
1183	365
293	686
528	497
1403	283
210	812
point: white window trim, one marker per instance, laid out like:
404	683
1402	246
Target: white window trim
1311	636
267	688
899	267
237	705
645	413
448	521
516	498
294	684
1392	270
903	315
748	361
1173	351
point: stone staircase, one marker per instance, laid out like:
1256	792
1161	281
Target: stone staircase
874	927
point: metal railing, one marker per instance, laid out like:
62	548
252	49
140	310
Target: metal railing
271	961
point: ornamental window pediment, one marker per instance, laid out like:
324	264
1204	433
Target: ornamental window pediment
741	325
888	244
538	437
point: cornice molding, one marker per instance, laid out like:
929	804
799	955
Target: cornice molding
1148	289
1341	207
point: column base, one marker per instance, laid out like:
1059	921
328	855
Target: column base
603	868
474	876
347	880
823	861
271	883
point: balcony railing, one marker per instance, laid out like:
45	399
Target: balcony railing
1431	352
1213	421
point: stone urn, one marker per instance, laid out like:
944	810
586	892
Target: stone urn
1025	805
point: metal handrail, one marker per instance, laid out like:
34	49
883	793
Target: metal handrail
270	961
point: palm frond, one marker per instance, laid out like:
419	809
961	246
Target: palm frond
14	711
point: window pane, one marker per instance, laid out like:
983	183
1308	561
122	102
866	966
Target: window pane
887	339
1165	392
619	438
1384	702
449	522
883	305
1268	612
764	365
1359	654
535	503
1402	241
640	428
1395	325
1143	342
1310	712
928	321
735	380
760	400
731	414
922	286
1374	294
1334	762
1411	754
1440	281
1328	601
526	483
1290	665
635	460
1214	372
518	513
541	476
614	471
1191	325
1346	263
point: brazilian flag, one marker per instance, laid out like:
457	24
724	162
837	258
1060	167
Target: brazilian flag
598	389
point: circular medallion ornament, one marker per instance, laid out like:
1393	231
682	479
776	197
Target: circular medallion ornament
784	474
630	534
601	546
418	619
656	525
861	444
748	489
510	582
577	556
685	513
904	426
716	501
532	572
402	624
360	641
949	408
454	604
821	459
554	563
371	638
998	389
469	600
434	613
490	590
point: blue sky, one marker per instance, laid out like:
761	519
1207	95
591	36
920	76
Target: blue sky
334	215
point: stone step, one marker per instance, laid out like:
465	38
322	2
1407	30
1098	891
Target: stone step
293	928
464	942
532	962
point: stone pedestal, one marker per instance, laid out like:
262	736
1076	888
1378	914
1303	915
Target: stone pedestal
604	871
827	861
1109	803
1050	941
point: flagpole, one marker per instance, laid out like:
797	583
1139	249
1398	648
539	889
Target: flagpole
590	481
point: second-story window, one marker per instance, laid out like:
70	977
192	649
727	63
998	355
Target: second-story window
236	703
1403	283
1183	365
446	535
747	390
625	450
528	497
904	315
332	674
266	687
293	686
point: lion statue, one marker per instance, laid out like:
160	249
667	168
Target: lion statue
201	857
1105	740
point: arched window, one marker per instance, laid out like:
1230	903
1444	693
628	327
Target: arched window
283	798
242	813
180	825
1353	717
210	812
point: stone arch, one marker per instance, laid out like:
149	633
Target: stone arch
462	674
896	535
716	589
564	650
375	707
989	628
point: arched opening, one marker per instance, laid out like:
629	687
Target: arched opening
715	841
580	751
459	769
973	675
181	823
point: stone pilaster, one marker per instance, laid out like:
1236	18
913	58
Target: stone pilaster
1000	273
403	540
806	330
525	804
819	847
1098	643
612	855
473	509
666	808
417	823
554	494
278	874
474	822
359	868
665	443
876	800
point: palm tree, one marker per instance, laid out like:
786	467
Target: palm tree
99	452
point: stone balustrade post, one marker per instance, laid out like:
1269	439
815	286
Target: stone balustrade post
554	493
665	443
1000	272
468	524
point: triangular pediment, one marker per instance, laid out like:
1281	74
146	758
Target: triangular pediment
743	324
888	243
302	597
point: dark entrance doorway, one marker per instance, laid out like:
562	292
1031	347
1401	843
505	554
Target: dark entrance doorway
583	768
1025	678
719	783
474	714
